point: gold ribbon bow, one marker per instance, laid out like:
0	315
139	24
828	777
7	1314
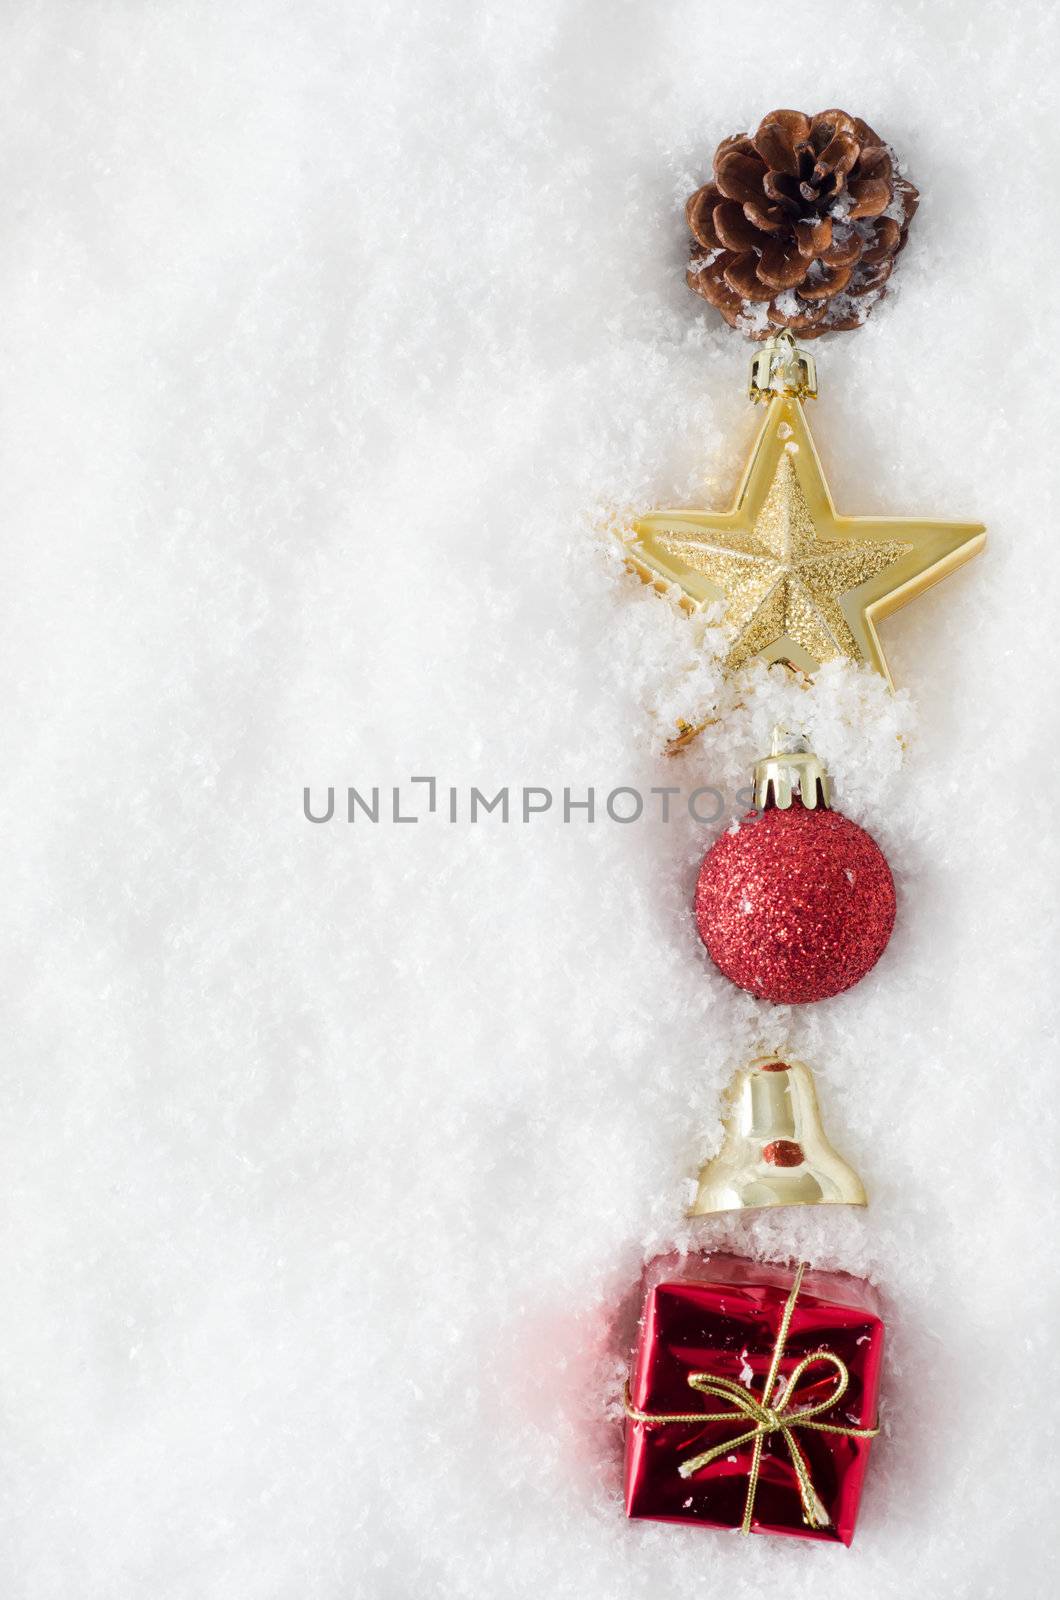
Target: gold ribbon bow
783	1418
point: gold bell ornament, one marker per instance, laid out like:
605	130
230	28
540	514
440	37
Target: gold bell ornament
775	1151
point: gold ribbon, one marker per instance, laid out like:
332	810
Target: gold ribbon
783	1418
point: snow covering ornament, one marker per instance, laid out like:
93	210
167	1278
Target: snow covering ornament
797	904
801	585
752	1401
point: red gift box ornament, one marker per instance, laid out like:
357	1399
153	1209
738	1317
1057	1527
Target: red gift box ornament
777	1412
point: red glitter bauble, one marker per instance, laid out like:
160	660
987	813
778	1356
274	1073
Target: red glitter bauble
796	905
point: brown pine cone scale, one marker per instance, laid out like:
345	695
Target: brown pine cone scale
801	225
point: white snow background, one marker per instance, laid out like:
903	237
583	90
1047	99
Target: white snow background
331	334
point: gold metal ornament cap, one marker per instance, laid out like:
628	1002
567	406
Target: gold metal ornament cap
775	1151
782	367
782	774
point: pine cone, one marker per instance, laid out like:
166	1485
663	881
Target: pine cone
801	226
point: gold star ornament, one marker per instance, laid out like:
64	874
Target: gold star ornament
801	584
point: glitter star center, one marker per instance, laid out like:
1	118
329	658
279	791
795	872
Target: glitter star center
782	581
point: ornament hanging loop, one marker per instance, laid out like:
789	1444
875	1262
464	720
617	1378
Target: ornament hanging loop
782	367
